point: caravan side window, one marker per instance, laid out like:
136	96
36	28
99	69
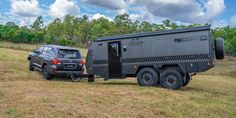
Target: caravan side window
114	49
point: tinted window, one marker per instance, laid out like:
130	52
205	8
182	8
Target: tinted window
69	54
52	51
40	49
45	49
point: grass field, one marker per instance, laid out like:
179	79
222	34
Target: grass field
26	94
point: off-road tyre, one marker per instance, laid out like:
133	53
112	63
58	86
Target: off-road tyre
171	79
46	74
31	68
187	80
147	77
219	48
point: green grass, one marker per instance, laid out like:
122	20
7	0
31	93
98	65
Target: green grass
24	47
26	94
12	113
29	47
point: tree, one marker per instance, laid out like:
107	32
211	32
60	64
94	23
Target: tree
67	27
101	27
38	29
123	24
229	35
194	25
82	30
12	25
169	25
122	20
146	27
38	24
54	31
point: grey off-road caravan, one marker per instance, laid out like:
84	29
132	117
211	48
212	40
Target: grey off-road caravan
167	58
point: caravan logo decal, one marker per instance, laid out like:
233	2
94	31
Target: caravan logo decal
135	43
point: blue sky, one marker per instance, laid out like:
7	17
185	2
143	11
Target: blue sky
216	12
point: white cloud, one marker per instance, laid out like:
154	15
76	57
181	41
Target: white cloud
233	21
98	15
25	21
24	12
62	7
144	15
25	8
184	10
213	9
2	18
21	21
110	4
123	11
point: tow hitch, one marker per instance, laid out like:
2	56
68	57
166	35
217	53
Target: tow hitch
75	77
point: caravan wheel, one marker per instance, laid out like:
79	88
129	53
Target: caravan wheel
187	81
147	77
171	79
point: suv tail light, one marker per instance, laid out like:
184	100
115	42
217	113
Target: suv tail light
82	62
56	61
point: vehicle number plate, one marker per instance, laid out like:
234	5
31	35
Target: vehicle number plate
70	66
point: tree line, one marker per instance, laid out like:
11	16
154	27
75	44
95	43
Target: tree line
81	31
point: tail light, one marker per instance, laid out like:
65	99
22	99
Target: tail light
56	61
82	62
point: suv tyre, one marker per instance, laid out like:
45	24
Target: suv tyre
46	74
31	68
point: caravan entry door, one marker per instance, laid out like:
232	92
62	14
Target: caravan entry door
114	56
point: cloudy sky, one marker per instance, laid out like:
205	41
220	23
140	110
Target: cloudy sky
216	12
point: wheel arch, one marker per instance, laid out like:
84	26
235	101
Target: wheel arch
44	64
160	67
29	58
179	67
143	66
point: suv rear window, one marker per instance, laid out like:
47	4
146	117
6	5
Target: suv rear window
69	54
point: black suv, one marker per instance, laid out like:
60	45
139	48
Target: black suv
53	60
